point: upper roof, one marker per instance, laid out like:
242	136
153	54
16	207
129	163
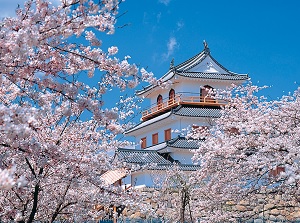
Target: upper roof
206	75
201	66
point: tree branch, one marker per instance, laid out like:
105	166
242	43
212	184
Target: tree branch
30	167
35	202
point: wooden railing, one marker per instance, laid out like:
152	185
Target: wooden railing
177	100
162	106
201	100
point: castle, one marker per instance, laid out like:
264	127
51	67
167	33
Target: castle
186	103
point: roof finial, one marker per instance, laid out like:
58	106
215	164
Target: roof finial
172	64
206	49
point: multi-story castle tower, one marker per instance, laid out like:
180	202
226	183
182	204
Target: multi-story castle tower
186	103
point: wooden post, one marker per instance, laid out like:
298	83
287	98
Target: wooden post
114	214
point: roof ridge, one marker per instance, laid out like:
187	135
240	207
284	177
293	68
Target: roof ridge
149	122
191	59
200	72
217	76
134	150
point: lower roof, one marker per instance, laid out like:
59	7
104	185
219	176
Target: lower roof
184	143
141	156
157	160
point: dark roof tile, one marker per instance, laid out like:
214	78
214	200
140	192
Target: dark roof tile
141	156
218	76
184	143
197	112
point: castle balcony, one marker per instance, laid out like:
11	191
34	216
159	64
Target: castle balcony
180	99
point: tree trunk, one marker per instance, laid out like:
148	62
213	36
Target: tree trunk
183	205
34	205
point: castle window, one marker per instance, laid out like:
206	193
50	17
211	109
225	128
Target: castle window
155	139
167	134
171	97
143	143
159	102
204	94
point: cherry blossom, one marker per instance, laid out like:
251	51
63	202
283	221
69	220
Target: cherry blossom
252	151
57	138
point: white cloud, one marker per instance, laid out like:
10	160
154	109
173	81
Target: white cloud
171	45
166	2
179	24
158	16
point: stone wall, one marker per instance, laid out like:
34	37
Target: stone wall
272	208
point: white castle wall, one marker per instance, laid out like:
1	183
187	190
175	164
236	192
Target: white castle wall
183	156
178	125
191	86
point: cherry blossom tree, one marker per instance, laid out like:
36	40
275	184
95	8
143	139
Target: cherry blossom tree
176	191
251	152
51	159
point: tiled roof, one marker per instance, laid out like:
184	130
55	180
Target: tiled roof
182	111
141	156
152	157
157	147
113	176
148	122
218	76
182	142
144	157
187	67
197	59
182	167
197	112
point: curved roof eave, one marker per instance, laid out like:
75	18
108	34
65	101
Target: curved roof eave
168	76
214	76
193	61
189	64
149	122
179	111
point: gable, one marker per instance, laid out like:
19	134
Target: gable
207	66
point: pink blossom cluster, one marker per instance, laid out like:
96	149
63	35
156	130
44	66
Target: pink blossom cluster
247	155
250	152
52	155
7	180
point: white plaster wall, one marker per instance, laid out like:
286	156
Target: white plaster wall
182	85
193	86
155	128
144	178
163	92
178	124
137	179
184	157
208	65
127	180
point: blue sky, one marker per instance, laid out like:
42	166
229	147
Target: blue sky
260	38
257	37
